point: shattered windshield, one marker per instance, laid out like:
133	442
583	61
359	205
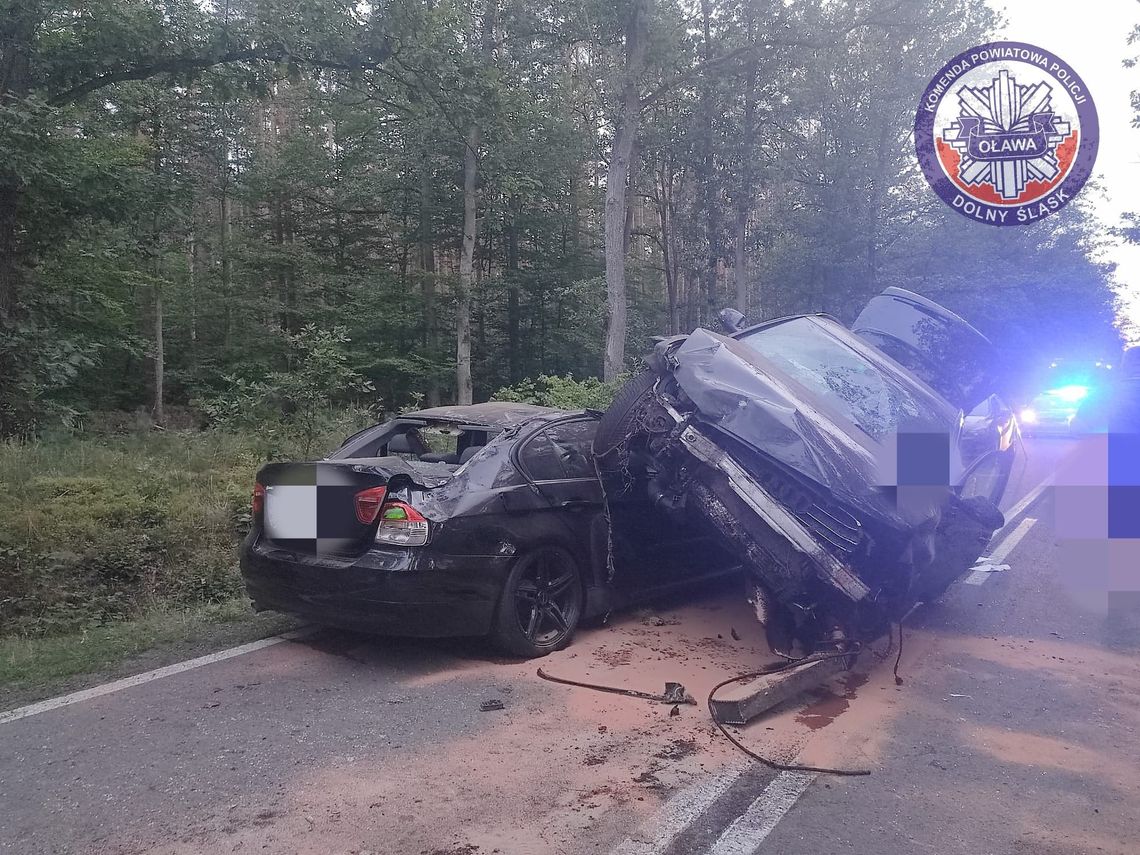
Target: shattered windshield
865	394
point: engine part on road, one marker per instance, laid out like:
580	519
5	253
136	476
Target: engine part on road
757	697
767	672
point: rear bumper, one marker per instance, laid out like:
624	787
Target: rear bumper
408	592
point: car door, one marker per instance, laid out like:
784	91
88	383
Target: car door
557	461
934	344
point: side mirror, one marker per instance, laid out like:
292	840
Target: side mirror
730	320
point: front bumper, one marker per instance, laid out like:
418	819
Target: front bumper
778	518
392	591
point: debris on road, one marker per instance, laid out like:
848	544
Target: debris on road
986	565
491	705
769	690
674	692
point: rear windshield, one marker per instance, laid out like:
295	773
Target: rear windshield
832	370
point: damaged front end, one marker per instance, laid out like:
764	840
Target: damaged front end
791	442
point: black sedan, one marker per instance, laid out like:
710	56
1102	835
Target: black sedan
453	521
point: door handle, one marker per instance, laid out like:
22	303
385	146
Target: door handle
576	504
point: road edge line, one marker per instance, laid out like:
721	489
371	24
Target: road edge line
1026	502
679	812
1002	550
749	830
146	677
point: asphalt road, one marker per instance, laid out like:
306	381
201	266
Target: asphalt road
1014	730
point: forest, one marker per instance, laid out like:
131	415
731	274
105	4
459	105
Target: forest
236	229
448	196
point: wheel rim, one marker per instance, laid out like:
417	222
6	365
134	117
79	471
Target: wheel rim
546	597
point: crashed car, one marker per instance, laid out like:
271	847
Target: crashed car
839	465
461	521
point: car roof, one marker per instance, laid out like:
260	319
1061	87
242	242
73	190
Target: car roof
498	414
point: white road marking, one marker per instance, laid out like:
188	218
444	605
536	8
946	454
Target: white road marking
1030	497
750	829
146	677
1005	546
677	813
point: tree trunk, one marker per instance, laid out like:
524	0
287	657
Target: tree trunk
880	179
427	267
159	357
707	180
192	287
511	237
10	267
18	24
226	216
466	268
463	383
744	201
668	268
624	135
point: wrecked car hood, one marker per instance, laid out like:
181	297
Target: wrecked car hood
752	398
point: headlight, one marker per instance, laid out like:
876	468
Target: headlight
1029	416
1071	394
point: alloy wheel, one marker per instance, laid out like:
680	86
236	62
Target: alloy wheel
546	599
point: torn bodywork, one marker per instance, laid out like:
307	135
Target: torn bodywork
836	474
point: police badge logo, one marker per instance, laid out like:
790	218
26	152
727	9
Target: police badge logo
1006	133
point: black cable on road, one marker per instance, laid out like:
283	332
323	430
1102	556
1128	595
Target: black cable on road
774	764
775	669
898	658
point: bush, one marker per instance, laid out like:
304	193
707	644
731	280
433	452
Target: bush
566	393
299	401
98	528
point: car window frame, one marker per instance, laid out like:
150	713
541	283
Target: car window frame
519	450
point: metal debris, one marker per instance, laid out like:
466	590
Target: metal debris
674	692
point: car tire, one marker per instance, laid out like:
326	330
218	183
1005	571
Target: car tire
541	603
621	417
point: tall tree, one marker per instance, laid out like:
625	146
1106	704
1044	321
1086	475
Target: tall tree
635	45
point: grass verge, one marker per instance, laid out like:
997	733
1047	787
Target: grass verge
33	668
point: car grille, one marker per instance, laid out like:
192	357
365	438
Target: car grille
833	525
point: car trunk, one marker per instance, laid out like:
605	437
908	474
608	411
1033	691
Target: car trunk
331	507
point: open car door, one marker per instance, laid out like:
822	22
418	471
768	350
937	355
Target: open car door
936	345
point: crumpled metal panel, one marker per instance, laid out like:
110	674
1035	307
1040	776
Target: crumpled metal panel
419	472
500	414
749	397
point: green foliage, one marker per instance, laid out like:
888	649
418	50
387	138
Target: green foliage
566	393
101	528
32	667
297	401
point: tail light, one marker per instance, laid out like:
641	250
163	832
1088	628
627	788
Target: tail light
402	525
368	503
257	504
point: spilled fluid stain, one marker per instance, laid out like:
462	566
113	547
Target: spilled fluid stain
828	705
